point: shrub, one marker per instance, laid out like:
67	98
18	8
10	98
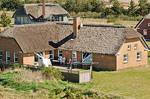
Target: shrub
111	19
16	65
76	93
7	80
51	73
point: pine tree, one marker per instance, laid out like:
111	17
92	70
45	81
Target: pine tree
132	8
5	20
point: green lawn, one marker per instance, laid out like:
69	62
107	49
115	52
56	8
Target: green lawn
104	21
148	43
130	83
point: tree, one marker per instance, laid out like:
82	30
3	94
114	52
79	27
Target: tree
116	8
132	8
10	4
70	5
97	6
5	20
143	7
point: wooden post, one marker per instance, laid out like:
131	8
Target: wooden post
91	71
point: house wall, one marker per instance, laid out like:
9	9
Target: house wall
144	25
9	44
132	54
28	59
68	55
104	62
22	20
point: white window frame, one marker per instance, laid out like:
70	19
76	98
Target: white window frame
16	56
148	24
138	56
135	46
74	55
125	58
1	55
8	62
60	53
51	54
145	32
36	58
129	47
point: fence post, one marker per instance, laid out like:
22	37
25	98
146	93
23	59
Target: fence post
91	74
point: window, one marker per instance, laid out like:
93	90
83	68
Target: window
125	58
7	57
1	56
74	56
86	57
51	54
148	24
36	58
139	55
129	47
145	32
60	53
16	59
135	46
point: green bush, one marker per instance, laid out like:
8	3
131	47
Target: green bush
111	19
76	93
16	65
51	73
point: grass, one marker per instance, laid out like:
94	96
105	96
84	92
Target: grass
53	89
104	21
130	83
148	43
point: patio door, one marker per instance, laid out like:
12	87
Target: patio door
86	57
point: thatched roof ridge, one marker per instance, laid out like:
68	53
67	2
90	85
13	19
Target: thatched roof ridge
95	39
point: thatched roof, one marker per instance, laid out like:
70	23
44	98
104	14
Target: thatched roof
32	38
100	39
36	10
147	16
90	38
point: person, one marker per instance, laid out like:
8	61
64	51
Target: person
60	60
64	61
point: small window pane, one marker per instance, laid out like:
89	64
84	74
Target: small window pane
7	57
74	56
125	58
16	59
51	53
139	55
129	47
1	56
60	53
145	32
135	46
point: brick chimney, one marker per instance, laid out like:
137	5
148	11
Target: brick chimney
43	8
76	25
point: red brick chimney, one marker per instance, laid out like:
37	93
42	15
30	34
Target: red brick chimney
76	25
43	8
